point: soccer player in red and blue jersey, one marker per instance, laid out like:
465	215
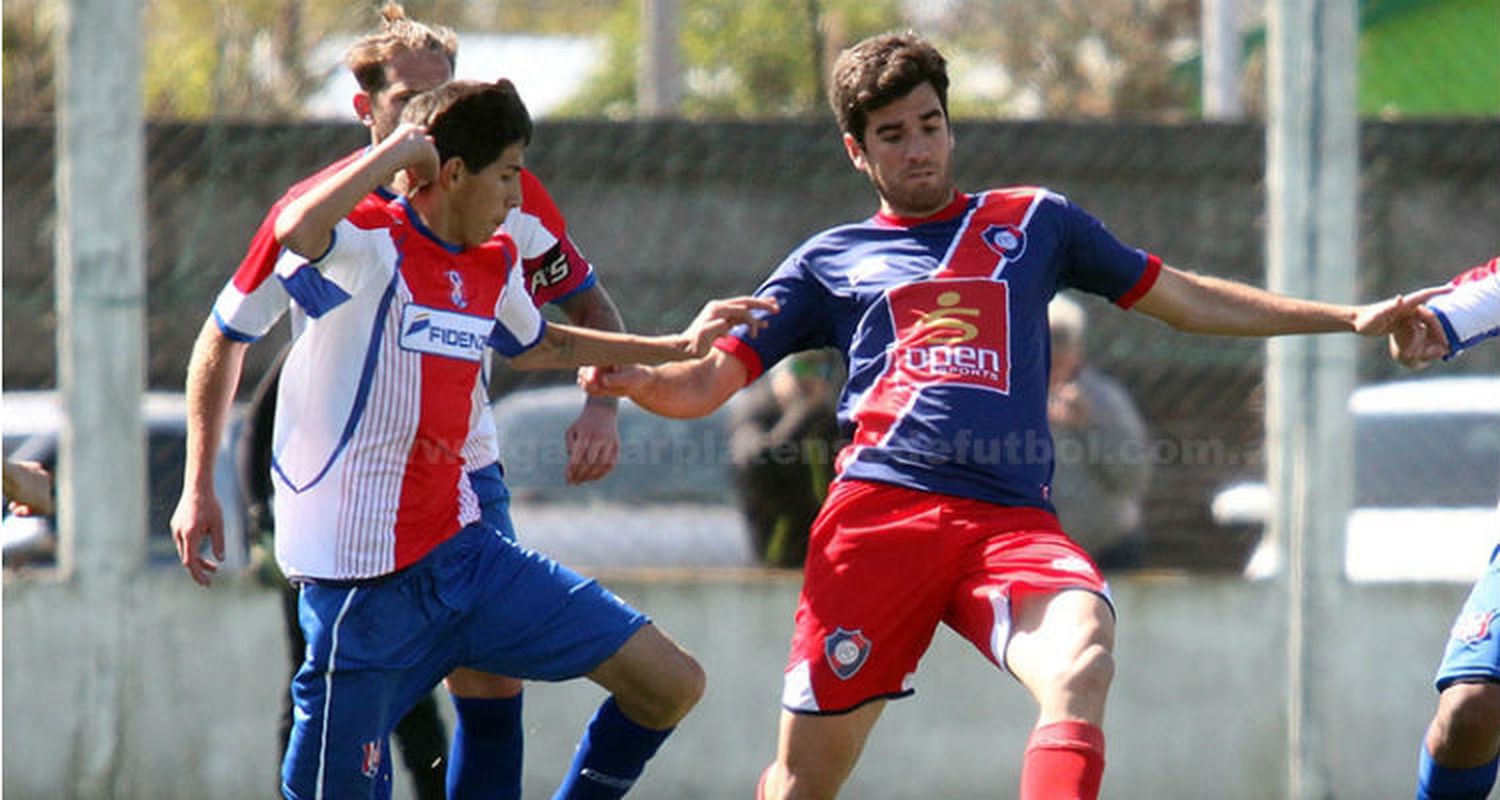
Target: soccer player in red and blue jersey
1460	755
393	308
940	510
403	58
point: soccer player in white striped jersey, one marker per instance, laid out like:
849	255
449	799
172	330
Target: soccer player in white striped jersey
401	581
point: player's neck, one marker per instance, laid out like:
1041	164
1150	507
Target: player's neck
435	215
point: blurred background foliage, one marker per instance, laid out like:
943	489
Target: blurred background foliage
755	59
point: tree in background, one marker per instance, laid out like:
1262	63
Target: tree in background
742	59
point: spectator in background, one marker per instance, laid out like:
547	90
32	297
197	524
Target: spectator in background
785	433
28	488
1100	447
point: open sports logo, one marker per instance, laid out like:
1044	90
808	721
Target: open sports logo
953	331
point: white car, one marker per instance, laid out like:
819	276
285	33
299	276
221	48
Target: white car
33	424
1426	483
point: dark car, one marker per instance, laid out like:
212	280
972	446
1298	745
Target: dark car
33	424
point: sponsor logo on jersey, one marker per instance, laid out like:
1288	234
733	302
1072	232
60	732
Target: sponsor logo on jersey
1473	627
456	280
866	269
952	331
1007	240
1072	564
370	764
846	651
444	333
552	270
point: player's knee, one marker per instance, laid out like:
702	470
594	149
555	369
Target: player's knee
1091	671
1472	712
470	683
681	684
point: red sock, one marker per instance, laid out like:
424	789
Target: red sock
1064	761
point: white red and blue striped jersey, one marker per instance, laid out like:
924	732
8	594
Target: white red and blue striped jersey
1471	312
943	322
555	270
377	399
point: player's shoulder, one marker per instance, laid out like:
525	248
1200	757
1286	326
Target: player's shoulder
1027	193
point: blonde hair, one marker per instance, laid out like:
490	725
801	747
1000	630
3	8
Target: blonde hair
368	56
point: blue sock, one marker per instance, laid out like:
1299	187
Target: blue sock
484	759
611	755
1436	782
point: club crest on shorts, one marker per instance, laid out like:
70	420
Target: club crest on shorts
1473	627
370	765
846	652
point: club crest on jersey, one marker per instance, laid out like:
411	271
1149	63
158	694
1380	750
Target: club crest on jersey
1473	627
1007	240
846	651
952	331
370	764
456	280
444	333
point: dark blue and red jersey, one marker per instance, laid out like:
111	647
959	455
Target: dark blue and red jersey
943	322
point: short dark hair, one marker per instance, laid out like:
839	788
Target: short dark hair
880	70
472	120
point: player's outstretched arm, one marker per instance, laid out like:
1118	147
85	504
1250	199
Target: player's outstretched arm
1203	304
683	390
305	226
564	346
213	373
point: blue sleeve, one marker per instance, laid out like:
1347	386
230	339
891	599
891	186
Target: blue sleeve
805	321
1096	261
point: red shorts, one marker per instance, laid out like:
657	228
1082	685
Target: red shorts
886	564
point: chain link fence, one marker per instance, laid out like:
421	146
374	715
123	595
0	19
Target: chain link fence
1097	100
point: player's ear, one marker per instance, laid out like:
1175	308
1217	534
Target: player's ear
856	152
362	108
452	172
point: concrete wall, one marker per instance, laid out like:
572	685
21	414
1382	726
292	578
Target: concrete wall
1197	709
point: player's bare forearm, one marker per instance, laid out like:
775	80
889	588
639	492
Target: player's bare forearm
594	308
305	226
1204	304
566	346
212	376
682	390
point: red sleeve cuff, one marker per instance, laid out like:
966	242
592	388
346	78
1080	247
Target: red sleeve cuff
745	353
1143	284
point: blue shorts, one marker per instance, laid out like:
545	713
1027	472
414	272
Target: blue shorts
374	647
488	484
1474	645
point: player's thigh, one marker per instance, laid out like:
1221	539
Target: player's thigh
816	752
653	679
1055	631
537	619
